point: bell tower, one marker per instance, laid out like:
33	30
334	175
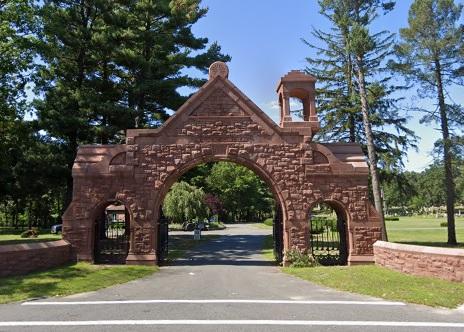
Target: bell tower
297	84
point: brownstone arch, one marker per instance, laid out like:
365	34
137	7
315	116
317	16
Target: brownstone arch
220	123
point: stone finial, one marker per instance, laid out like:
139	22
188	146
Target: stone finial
218	68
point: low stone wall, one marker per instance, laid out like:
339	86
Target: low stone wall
444	263
16	259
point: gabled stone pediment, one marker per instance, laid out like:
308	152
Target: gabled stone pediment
219	112
218	103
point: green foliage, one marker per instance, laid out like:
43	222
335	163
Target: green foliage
269	222
300	259
417	191
392	218
431	54
244	195
338	94
320	223
97	68
444	224
185	202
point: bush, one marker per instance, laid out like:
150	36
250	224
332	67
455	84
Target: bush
269	222
30	233
216	225
392	218
300	258
444	224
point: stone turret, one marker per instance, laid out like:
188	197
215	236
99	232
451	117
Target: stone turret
297	84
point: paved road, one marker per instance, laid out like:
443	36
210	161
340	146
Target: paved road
225	285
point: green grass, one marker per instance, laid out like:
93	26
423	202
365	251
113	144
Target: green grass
419	230
268	248
179	245
262	226
423	230
67	280
15	238
384	283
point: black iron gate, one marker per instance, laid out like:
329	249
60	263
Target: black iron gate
328	240
277	233
163	238
111	239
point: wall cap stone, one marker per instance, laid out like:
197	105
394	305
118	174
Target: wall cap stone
33	246
419	249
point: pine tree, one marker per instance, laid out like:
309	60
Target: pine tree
110	65
431	54
355	99
338	94
156	45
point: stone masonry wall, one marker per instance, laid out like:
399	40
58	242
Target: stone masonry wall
443	263
17	259
219	123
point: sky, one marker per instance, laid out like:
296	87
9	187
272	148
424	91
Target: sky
264	39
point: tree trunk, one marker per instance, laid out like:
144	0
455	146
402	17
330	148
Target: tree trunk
370	146
447	157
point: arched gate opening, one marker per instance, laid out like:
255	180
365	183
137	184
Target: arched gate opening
112	227
327	226
274	210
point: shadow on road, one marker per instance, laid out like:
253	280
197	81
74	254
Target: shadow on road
241	250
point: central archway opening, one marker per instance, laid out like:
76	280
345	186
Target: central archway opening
229	205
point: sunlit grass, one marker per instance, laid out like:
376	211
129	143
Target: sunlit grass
67	280
423	230
16	238
384	283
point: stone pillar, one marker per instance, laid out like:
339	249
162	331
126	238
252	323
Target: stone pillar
142	235
286	108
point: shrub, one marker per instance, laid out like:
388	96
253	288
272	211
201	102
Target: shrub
300	258
444	224
269	222
392	218
30	233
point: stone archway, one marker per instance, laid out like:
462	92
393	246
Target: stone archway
248	163
220	123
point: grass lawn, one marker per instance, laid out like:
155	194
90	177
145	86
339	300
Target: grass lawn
15	238
268	248
423	230
179	245
419	230
67	280
262	226
381	282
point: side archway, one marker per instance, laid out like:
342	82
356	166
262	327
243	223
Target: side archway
111	232
328	236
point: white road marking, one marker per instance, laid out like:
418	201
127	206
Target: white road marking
232	322
57	303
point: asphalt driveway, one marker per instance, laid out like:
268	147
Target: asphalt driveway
224	285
